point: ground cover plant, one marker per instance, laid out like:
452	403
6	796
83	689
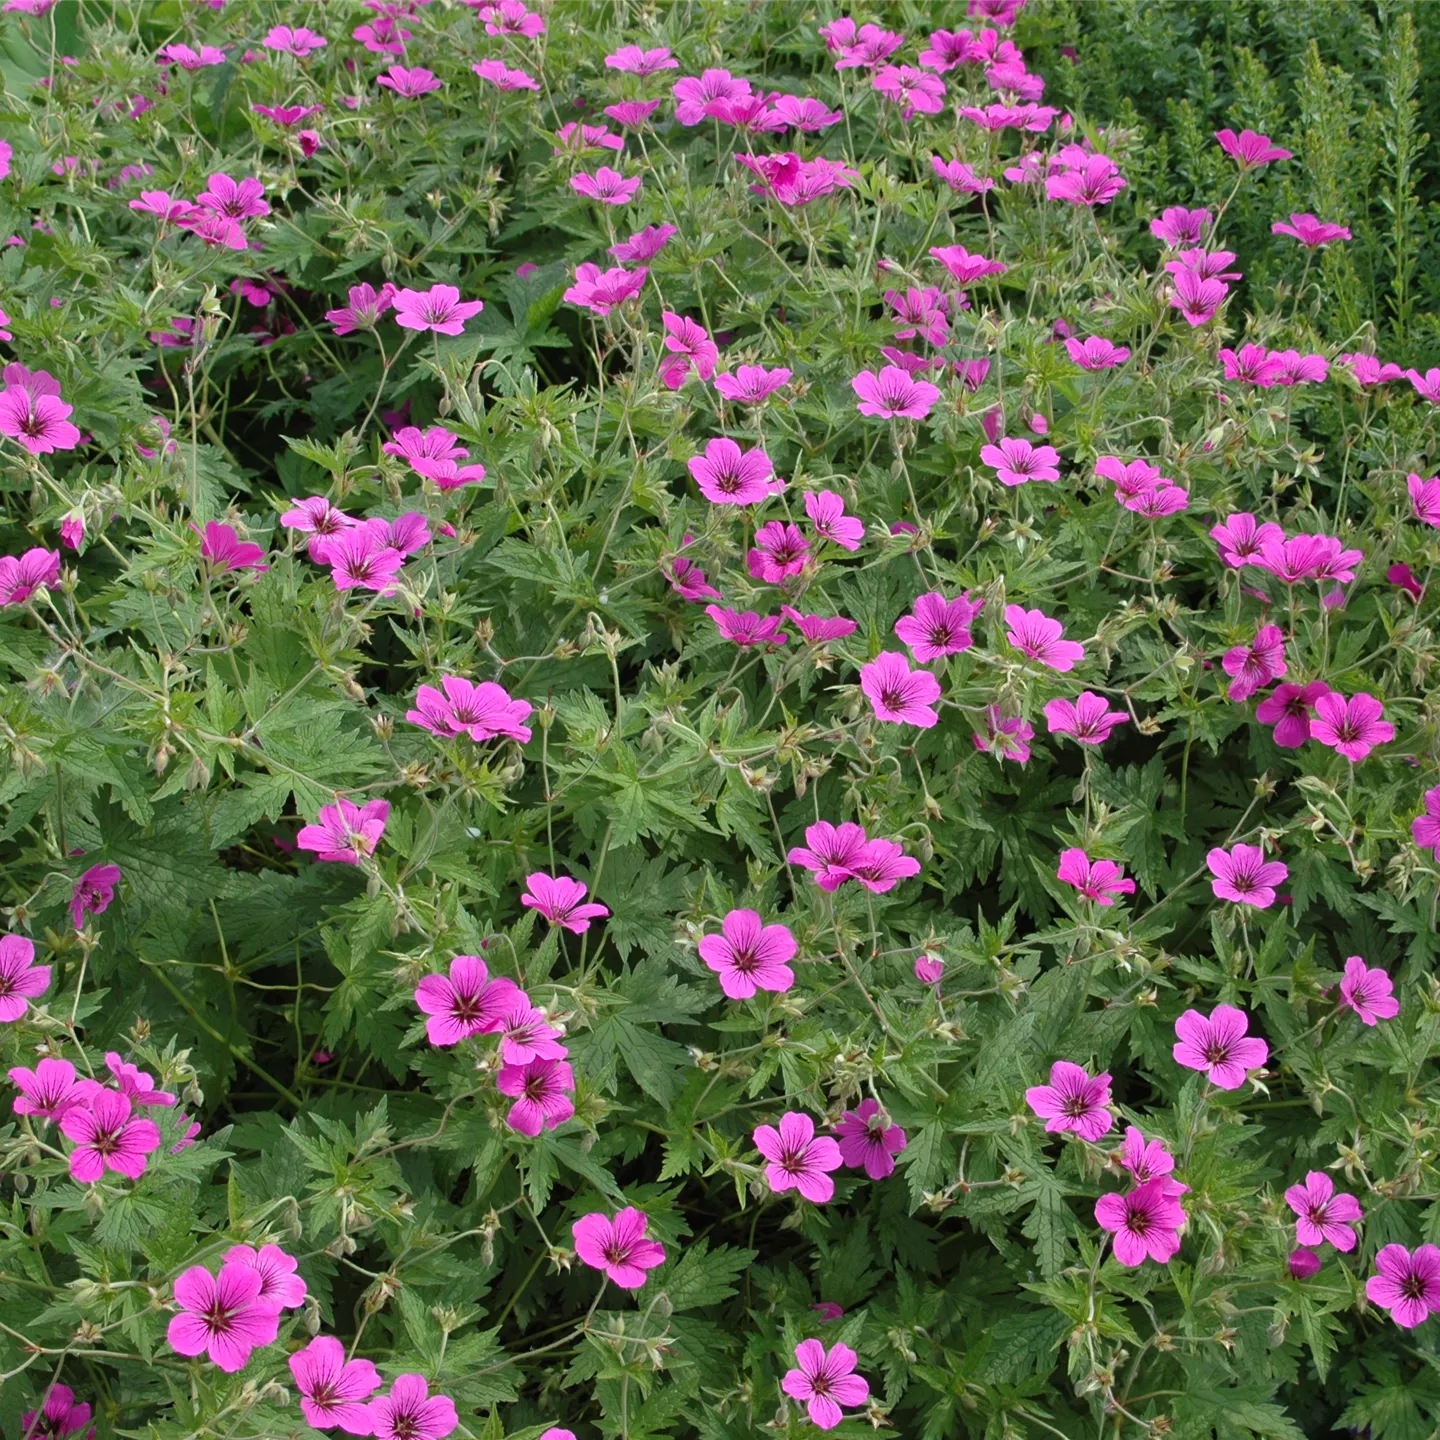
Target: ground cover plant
719	719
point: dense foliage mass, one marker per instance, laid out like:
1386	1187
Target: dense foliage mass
719	719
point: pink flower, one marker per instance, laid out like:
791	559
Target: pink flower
608	186
1197	299
382	37
93	892
1293	368
1179	227
526	1034
345	832
690	344
1402	576
1367	370
1302	1264
224	550
751	384
831	852
49	1090
1016	462
222	1316
576	139
408	82
234	199
1257	663
937	626
799	1159
1218	1046
279	1283
1309	231
618	1248
1158	501
1289	708
644	245
749	955
1424	830
696	99
728	475
60	1416
687	579
825	1379
1254	365
882	865
745	627
949	48
333	1390
893	393
866	48
1145	1223
1205	265
1095	181
1249	149
411	1412
826	511
361	558
22	576
634	61
633	115
1037	635
162	205
1405	1284
1242	538
817	629
1322	1214
38	422
1244	876
72	531
499	74
899	695
828	1310
107	1136
1087	718
447	475
1425	498
1368	991
298	41
1096	353
965	267
1034	118
439	308
366	306
21	980
510	17
134	1084
1097	880
1073	1100
960	177
559	899
1007	737
1132	478
1352	727
541	1091
469	1001
916	91
1426	385
1148	1161
805	114
461	707
929	970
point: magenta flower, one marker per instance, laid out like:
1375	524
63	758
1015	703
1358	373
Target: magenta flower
37	422
1007	737
917	92
937	627
929	970
728	475
899	695
1302	1264
1148	1160
1146	1223
382	37
1406	1285
542	1093
436	443
824	1379
618	1248
461	707
107	1136
1309	231
1367	370
830	852
1130	478
499	74
1256	664
1399	574
1218	1046
1425	498
279	1283
817	629
1096	353
361	558
1249	149
802	112
510	17
1244	876
578	139
469	1001
1369	992
560	900
632	115
826	511
59	1417
1321	1214
1095	181
1098	880
1016	462
439	308
188	59
287	117
828	1310
1197	299
687	579
1290	367
1158	501
892	393
1424	830
1352	727
746	628
21	576
749	955
318	518
333	1390
345	832
1289	708
1242	538
689	344
1088	718
134	1084
781	550
751	384
526	1034
222	1315
366	306
162	205
1427	385
234	199
93	892
1035	634
1073	1100
1178	227
799	1159
607	186
1254	365
21	980
408	82
447	475
949	48
645	244
698	100
49	1090
296	41
411	1412
224	550
882	865
634	61
861	49
965	267
961	177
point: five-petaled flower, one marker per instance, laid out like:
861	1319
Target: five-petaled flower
1368	991
1146	1223
222	1316
798	1158
824	1380
1243	875
1320	1214
1074	1100
1218	1046
749	955
561	900
618	1248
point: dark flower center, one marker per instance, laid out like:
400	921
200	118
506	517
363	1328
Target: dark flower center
1216	1053
1413	1287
